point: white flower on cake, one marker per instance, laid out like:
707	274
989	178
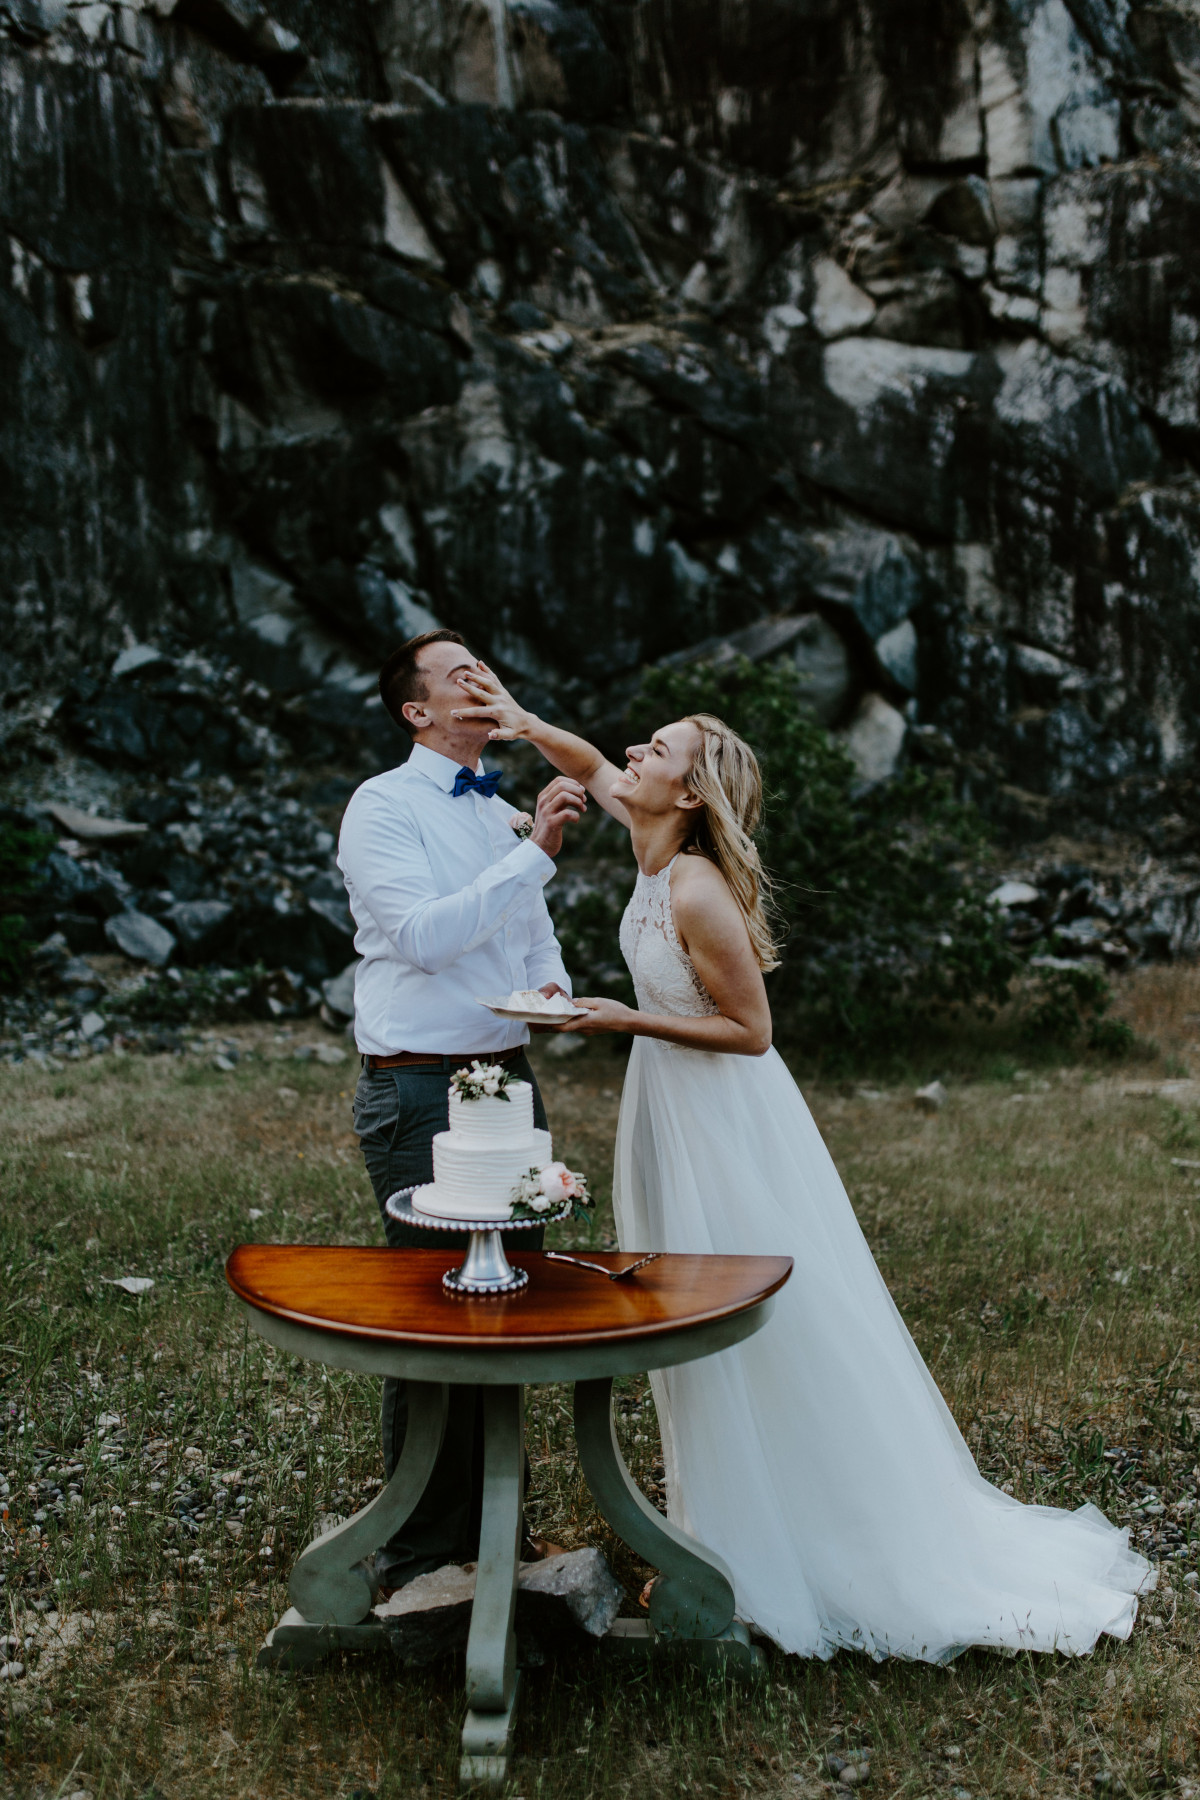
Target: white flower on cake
481	1081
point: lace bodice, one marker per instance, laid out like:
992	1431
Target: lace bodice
663	976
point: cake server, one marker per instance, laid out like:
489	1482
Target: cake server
599	1268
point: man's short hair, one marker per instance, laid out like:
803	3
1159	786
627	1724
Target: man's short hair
401	678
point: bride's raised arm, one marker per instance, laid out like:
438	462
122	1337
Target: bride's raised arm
569	754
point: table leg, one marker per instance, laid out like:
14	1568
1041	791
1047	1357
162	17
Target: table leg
491	1645
691	1607
330	1591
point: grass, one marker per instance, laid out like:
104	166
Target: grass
164	1466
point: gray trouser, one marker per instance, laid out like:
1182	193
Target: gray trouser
397	1112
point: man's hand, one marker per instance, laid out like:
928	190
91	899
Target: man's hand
551	988
492	700
560	804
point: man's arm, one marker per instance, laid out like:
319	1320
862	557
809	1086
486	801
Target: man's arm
544	966
382	854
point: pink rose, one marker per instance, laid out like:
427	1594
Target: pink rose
558	1183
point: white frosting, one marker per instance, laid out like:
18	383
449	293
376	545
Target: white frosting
491	1143
491	1120
533	1000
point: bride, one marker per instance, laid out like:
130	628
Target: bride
818	1458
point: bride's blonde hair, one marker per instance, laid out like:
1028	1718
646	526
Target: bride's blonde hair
726	777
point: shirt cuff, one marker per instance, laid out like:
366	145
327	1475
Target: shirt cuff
532	858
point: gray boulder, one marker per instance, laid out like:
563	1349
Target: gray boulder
140	938
874	738
198	923
557	1598
338	992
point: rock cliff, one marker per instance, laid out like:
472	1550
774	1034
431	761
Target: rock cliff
866	331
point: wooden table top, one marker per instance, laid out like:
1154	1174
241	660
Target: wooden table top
396	1296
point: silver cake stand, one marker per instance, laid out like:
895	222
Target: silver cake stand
485	1270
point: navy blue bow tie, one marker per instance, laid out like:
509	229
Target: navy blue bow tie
466	782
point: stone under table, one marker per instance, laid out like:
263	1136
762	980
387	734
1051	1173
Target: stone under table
385	1312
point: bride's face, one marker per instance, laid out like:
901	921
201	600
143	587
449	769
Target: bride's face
655	780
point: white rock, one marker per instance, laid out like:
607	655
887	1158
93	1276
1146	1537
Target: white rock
778	324
874	738
403	231
223	1063
1013	893
840	308
139	937
864	371
90	829
132	1284
897	653
330	1054
931	1098
11	1671
91	1024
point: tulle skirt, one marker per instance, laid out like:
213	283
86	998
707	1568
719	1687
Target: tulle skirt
818	1458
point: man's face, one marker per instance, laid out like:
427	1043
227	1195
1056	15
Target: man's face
440	665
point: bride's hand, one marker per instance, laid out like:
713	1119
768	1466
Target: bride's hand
492	701
603	1015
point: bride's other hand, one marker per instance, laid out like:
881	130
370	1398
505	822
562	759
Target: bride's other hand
492	700
603	1015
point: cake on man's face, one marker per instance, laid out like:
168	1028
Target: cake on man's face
491	1144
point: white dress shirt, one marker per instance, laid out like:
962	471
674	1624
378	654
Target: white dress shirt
449	907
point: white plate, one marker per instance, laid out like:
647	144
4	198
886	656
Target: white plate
532	1018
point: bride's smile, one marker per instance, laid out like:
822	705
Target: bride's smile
655	779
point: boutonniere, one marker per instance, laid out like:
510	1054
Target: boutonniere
522	824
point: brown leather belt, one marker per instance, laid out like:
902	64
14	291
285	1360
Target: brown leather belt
412	1059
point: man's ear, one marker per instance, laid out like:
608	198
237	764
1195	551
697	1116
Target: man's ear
416	714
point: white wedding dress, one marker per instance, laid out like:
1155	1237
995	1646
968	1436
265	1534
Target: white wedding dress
818	1458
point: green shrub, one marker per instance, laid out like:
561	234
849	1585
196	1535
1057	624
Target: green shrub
880	893
885	921
22	851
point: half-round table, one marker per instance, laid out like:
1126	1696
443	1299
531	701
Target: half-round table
385	1312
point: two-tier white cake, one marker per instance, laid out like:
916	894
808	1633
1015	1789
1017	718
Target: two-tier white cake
492	1142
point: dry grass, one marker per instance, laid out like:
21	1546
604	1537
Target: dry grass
1039	1235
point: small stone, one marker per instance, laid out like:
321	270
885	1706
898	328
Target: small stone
11	1671
223	1063
931	1098
855	1775
198	922
132	1284
330	1055
139	659
140	938
1014	893
91	1024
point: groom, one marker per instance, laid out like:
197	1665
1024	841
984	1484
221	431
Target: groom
448	902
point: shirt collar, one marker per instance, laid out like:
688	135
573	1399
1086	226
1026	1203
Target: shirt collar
440	769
